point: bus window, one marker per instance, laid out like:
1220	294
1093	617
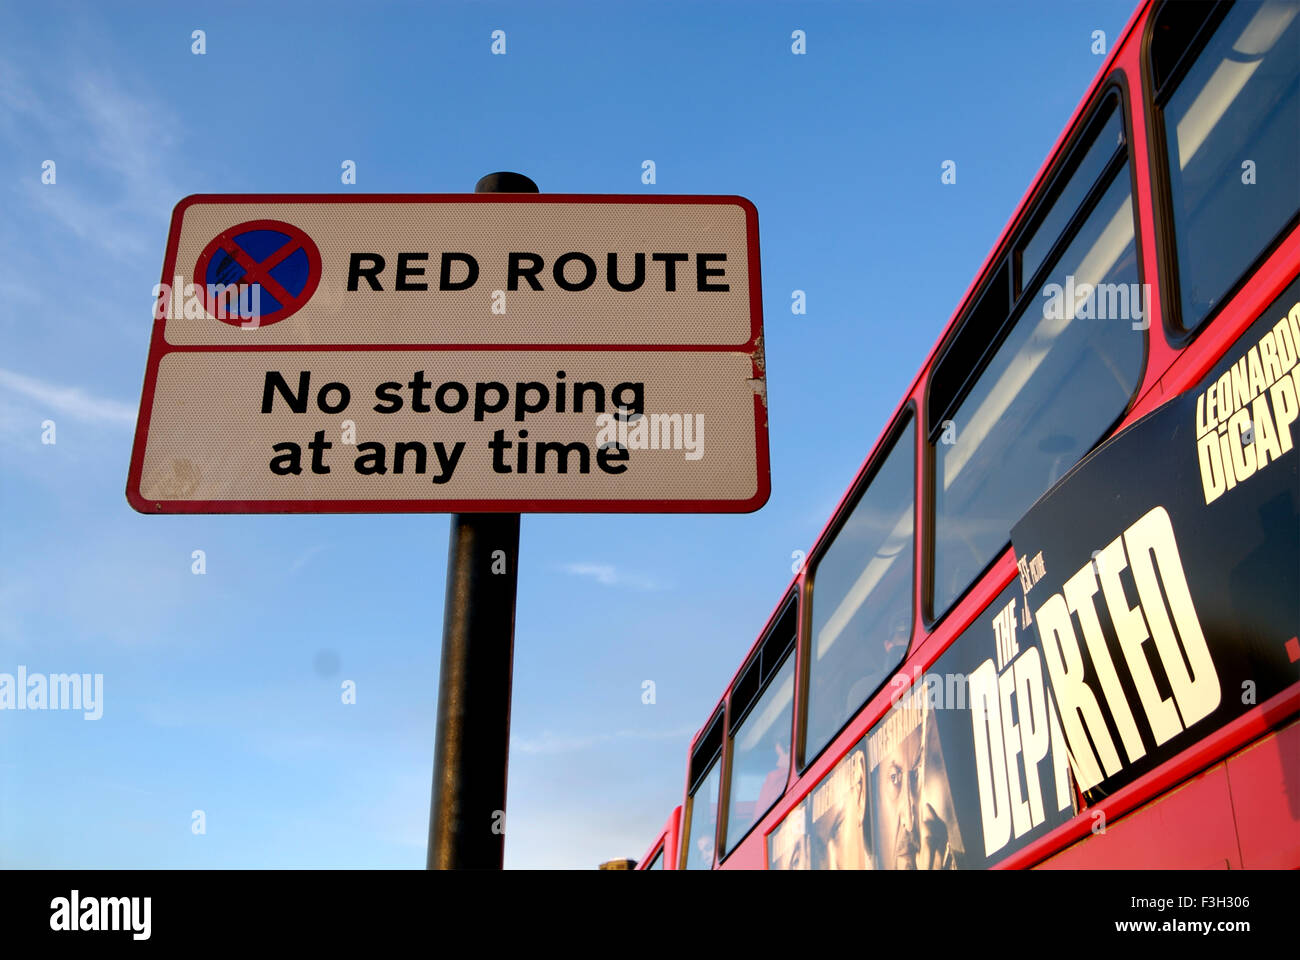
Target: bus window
1087	171
1232	136
704	821
1064	373
760	745
702	804
861	596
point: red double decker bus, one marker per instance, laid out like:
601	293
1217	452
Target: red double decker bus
1053	622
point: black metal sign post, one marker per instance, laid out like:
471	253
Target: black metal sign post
472	751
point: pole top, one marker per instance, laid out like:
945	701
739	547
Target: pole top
505	182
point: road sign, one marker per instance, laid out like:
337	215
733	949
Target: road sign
458	353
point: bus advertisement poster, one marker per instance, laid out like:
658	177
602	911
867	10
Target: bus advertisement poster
1163	572
966	767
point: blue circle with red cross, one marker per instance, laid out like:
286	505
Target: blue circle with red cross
277	258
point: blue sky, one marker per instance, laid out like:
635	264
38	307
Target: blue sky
221	691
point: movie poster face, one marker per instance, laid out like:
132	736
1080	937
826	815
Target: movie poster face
888	805
841	817
789	845
914	822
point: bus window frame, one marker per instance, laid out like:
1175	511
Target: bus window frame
658	855
1162	203
791	654
908	414
688	809
1057	183
1051	186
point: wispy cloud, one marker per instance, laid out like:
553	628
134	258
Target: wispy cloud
608	575
305	557
112	148
132	138
549	742
72	401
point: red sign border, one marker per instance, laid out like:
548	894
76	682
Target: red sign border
159	347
